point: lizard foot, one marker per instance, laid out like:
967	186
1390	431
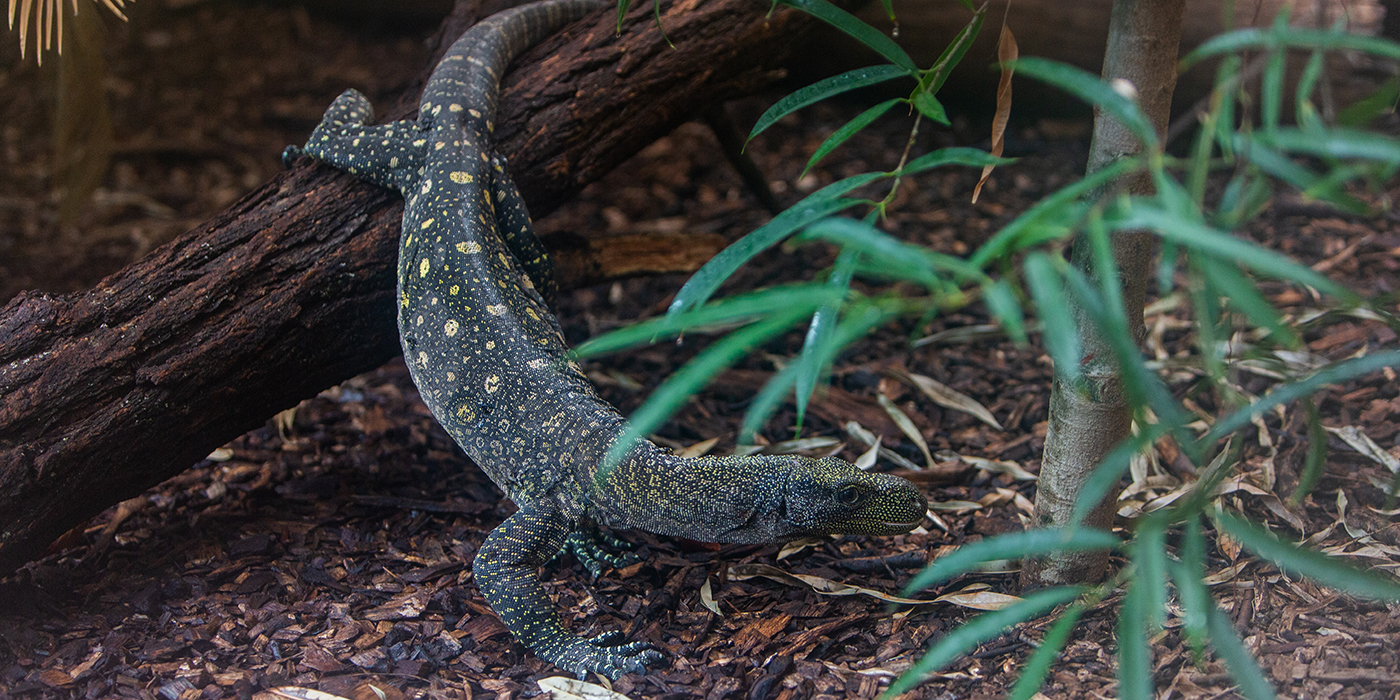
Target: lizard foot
593	549
602	655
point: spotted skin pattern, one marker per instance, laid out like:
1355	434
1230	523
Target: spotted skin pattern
490	362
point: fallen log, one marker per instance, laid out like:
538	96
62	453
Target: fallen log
106	392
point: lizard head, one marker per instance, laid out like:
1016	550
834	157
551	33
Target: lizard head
834	497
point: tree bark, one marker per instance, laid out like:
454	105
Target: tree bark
107	392
1142	46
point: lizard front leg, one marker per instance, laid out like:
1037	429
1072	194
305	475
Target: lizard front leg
388	155
507	571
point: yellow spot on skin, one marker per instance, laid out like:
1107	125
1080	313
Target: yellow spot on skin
454	107
403	299
460	177
451	377
419	320
532	313
496	309
423	358
420	142
493	383
474	113
439	145
423	267
450	328
453	290
490	345
538	363
469	247
426	223
394	162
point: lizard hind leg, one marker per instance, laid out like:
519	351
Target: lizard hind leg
506	569
386	154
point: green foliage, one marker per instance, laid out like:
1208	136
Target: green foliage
1217	270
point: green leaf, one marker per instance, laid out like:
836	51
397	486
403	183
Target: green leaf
1091	89
1134	656
1189	576
967	636
724	312
848	130
1295	37
1037	667
1337	143
1316	457
1105	477
856	29
1052	217
1015	545
1271	91
1304	111
1328	571
970	157
1203	239
1150	558
1268	159
1361	113
818	205
811	367
1253	684
911	262
822	89
1058	332
1001	302
933	78
860	320
689	379
1245	297
930	107
1335	373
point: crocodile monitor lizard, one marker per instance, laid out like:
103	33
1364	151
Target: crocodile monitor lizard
490	361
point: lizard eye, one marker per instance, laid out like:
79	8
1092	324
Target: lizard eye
849	495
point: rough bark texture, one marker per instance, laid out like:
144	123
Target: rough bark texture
106	392
1142	49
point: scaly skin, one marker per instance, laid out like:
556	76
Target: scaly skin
490	361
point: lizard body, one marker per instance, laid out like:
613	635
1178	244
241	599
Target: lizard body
491	363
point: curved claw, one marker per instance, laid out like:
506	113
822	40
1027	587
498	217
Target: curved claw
590	548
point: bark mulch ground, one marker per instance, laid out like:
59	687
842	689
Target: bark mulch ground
331	549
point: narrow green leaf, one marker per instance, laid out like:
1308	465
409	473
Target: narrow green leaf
1316	457
1271	91
967	636
1150	558
1304	112
848	130
860	320
1058	332
1189	576
856	29
1092	90
1001	302
1295	37
953	53
912	262
622	6
1204	239
695	374
811	367
1361	113
822	89
1243	667
1056	214
1337	143
1134	656
1037	667
1288	556
970	157
1245	297
1105	477
818	205
930	107
1271	161
1335	373
724	312
1015	545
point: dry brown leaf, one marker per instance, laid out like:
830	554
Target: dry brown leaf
978	600
1007	52
699	449
740	572
707	597
291	692
796	546
561	688
947	397
906	426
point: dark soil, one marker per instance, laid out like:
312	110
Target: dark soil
331	549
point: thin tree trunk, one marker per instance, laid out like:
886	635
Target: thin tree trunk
107	392
1142	49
